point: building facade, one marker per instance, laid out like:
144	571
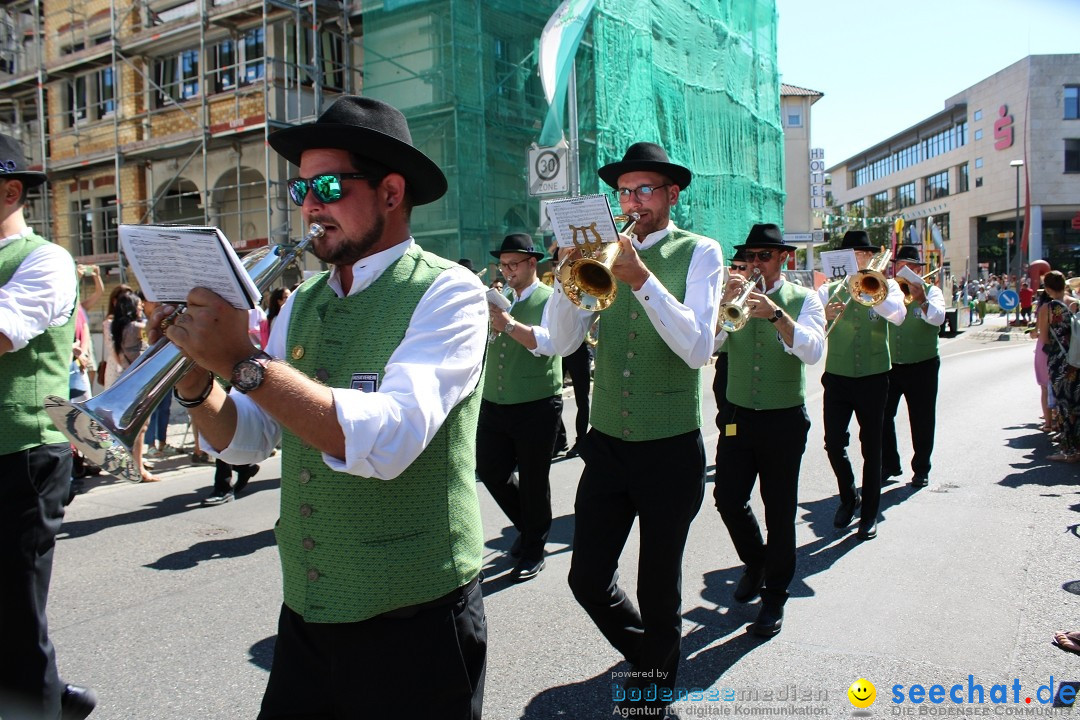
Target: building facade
1003	154
804	171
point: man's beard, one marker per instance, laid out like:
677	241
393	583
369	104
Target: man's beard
352	250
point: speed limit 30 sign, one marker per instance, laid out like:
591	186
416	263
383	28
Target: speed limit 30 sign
547	170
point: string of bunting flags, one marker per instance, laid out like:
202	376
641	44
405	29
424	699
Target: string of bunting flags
884	220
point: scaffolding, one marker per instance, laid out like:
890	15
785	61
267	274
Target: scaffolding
159	110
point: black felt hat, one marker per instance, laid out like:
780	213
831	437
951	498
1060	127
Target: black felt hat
648	157
909	254
857	240
13	164
518	243
766	236
373	130
738	256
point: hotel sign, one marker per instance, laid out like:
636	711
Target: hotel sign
817	178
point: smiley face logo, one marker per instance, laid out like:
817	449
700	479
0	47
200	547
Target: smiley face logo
862	693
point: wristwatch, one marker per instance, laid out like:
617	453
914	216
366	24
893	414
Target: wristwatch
777	314
248	374
510	325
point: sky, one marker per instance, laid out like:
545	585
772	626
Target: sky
885	66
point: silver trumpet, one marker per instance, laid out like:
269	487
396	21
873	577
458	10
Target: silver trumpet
105	428
734	314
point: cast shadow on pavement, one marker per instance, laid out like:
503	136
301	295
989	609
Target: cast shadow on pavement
497	565
222	549
262	653
1037	470
165	507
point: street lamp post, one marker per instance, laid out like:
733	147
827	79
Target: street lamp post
1019	240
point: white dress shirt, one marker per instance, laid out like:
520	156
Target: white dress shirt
809	335
41	294
688	327
435	367
540	331
934	312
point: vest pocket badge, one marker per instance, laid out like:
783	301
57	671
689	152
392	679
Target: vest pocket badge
365	382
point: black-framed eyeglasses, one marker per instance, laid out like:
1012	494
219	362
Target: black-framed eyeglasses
762	255
326	187
641	192
740	268
511	266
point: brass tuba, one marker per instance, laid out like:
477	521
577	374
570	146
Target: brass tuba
734	315
588	281
105	427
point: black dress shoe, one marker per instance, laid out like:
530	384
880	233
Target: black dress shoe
920	481
867	531
77	702
845	512
749	584
573	452
528	569
243	476
769	621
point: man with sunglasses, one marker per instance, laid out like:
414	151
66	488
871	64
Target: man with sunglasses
856	380
371	374
763	425
521	406
644	456
913	348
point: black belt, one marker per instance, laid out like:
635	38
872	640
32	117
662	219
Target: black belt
449	598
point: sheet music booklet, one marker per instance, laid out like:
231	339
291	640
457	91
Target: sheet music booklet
170	260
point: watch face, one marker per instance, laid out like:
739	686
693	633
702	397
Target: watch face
249	375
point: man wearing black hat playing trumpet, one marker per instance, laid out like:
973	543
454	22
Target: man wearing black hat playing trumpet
521	406
644	456
371	373
856	380
764	425
915	363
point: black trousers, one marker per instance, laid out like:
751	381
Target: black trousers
865	397
577	364
521	436
768	444
918	384
33	486
432	662
661	483
223	475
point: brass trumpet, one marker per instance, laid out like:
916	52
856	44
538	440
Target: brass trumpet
734	314
588	280
868	287
105	427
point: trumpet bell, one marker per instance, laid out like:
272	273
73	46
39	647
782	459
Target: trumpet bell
733	317
591	283
868	287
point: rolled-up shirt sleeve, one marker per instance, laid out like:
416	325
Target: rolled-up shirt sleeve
41	293
567	323
809	335
436	366
935	306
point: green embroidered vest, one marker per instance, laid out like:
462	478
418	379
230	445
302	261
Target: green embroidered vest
761	376
642	390
915	340
29	375
859	342
352	547
513	374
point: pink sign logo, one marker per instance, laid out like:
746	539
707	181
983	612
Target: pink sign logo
1003	129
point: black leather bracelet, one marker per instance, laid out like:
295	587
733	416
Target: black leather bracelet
196	402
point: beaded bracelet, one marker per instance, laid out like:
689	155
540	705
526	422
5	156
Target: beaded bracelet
196	402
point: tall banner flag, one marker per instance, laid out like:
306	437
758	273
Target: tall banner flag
558	44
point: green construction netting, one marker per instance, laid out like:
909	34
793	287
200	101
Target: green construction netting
697	76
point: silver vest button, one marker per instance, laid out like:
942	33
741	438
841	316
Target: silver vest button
305	510
626	373
313	575
626	432
305	476
322	374
626	413
308	543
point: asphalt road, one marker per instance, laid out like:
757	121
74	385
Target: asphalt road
168	609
